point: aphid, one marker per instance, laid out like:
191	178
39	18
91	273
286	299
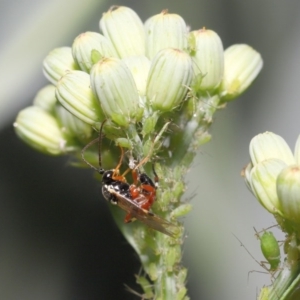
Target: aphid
135	199
270	250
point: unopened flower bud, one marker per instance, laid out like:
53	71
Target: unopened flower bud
270	145
74	92
208	58
71	125
139	67
288	190
165	30
45	98
84	45
41	131
263	183
123	27
169	77
113	83
242	64
57	63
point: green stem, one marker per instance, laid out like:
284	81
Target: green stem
134	136
195	133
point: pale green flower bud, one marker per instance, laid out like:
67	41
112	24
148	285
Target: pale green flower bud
241	66
86	44
165	30
288	190
71	125
57	63
263	183
139	67
270	145
123	27
169	77
113	83
40	130
45	98
74	92
208	58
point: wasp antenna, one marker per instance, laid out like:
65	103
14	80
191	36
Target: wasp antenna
83	151
145	159
100	145
97	140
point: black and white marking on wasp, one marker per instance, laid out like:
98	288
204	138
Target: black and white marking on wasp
135	199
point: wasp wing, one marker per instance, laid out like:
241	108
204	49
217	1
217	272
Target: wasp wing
151	220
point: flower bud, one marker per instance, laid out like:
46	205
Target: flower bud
114	85
241	66
71	125
74	92
139	67
45	98
288	190
263	183
169	77
123	27
41	131
208	58
270	145
57	63
84	45
165	30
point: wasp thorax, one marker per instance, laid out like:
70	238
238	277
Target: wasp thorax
107	177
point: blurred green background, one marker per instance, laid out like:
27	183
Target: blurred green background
57	238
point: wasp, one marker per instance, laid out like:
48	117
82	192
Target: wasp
135	199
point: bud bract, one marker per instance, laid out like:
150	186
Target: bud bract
57	63
45	98
270	145
165	30
246	173
123	27
84	45
169	78
288	190
74	92
40	130
208	58
242	64
113	83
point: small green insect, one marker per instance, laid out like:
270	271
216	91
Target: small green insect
270	250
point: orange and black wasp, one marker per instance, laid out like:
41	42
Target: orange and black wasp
135	199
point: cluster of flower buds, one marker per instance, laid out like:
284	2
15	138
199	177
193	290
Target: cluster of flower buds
132	73
273	176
